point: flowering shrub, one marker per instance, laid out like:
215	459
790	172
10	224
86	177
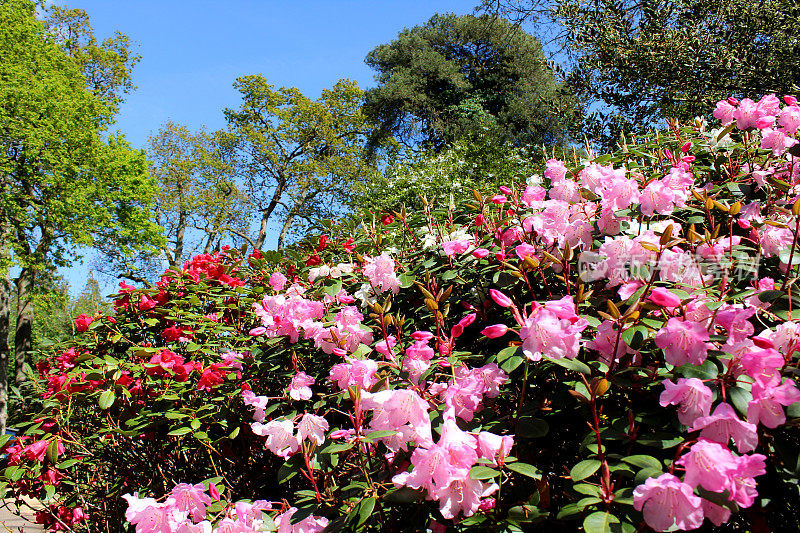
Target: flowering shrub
611	347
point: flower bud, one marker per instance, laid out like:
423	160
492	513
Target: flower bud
495	331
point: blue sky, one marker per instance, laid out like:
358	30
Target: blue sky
193	50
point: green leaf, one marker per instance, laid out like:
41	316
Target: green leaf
483	472
572	364
646	473
106	399
584	469
568	512
52	451
740	398
332	286
784	257
720	498
589	490
768	296
180	431
406	280
505	353
511	364
708	370
532	428
525	469
302	513
643	461
365	509
381	433
599	522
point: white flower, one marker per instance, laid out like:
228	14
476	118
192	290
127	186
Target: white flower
366	295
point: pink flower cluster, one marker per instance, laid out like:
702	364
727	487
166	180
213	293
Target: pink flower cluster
442	469
185	511
283	441
667	501
381	273
552	330
290	313
777	125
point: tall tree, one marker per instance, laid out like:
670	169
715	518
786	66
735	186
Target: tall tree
299	157
198	203
64	183
641	61
461	75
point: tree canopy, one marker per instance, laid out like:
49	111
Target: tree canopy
646	60
299	157
64	182
460	75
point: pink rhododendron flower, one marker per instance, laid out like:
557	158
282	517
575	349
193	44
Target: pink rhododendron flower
500	299
717	514
346	333
665	502
766	407
480	253
724	112
790	119
289	313
495	331
191	498
386	347
281	439
380	272
707	464
418	355
552	330
777	141
300	387
149	516
313	428
525	250
683	341
763	365
494	448
742	486
401	410
533	195
464	496
259	402
692	397
606	339
663	297
277	281
355	373
723	424
456	247
555	170
310	524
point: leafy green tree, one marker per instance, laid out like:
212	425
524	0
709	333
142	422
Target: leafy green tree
461	75
64	183
198	203
299	158
641	61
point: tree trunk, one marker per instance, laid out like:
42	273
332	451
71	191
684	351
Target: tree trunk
280	187
23	338
5	351
285	230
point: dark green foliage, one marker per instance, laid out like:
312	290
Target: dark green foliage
640	62
456	76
